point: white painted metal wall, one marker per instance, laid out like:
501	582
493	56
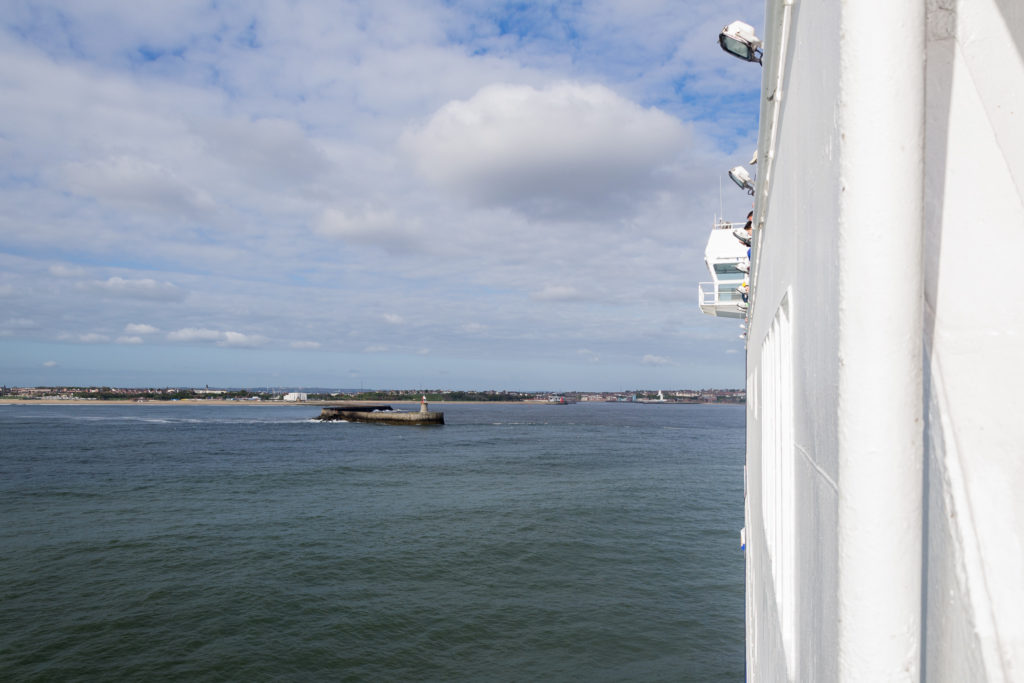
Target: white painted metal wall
974	346
906	460
795	275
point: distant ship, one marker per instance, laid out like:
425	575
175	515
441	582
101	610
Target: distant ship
561	400
885	450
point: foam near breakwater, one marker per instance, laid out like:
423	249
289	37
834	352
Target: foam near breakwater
381	414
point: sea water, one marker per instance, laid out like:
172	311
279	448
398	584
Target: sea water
516	543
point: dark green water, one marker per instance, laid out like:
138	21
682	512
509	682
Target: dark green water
516	543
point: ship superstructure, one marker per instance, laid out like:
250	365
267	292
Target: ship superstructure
885	459
724	256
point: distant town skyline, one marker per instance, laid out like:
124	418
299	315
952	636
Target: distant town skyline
78	395
448	194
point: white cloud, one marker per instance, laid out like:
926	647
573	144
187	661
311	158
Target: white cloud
21	323
267	151
50	364
566	147
375	348
650	359
129	340
192	334
305	345
558	293
140	328
145	288
62	270
221	338
378	227
83	338
135	182
588	355
393	318
239	340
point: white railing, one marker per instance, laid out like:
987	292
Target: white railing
724	293
722	301
707	293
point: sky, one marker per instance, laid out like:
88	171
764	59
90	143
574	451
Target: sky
457	194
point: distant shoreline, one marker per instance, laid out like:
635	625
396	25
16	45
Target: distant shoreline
223	402
299	404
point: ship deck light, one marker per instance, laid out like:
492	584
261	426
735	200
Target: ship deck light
739	39
741	177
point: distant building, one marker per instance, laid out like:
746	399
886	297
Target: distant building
295	396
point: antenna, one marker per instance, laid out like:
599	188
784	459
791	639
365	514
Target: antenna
721	208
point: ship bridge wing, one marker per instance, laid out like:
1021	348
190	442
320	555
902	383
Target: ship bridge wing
723	254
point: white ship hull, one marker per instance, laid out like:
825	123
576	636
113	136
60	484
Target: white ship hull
885	457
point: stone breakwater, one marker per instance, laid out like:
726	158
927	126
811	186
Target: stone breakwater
381	414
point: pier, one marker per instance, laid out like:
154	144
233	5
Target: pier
380	413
